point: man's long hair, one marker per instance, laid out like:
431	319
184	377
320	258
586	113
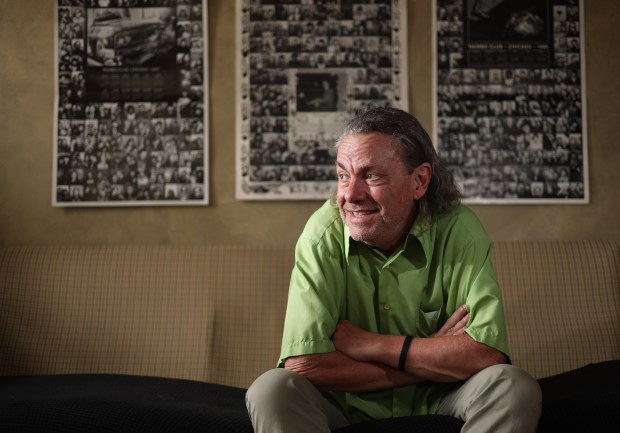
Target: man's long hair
442	195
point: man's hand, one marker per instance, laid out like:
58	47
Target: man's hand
455	325
355	342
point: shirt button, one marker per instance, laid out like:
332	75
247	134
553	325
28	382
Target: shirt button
387	306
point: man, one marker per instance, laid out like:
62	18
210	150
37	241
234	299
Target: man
394	308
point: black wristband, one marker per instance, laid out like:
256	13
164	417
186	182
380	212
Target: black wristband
403	353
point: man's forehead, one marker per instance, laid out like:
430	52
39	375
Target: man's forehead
367	144
365	151
367	140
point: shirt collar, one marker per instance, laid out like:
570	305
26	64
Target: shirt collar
347	241
419	238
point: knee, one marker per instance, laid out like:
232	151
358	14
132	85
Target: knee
274	387
517	386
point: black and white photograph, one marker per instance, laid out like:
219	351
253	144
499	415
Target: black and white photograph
130	113
510	106
303	67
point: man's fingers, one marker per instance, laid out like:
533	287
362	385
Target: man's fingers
456	323
460	331
460	326
453	320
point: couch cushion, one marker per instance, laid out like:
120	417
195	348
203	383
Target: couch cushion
118	403
562	300
582	400
141	310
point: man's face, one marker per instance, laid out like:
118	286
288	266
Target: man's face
376	194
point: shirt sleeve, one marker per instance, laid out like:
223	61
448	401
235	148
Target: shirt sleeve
316	298
473	282
487	323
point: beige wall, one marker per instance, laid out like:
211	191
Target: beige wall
26	125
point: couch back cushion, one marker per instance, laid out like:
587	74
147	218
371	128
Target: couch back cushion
562	302
107	309
249	308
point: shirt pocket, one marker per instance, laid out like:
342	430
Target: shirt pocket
428	322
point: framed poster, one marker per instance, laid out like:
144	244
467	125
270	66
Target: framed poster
303	67
130	111
510	106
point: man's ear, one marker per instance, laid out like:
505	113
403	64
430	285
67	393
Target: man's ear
421	179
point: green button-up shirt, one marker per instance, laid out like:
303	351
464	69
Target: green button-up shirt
411	292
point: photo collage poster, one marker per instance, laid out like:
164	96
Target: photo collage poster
303	67
510	107
130	114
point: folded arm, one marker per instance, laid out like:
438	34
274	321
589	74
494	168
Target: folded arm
336	371
367	361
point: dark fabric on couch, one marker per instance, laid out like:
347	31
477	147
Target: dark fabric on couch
117	403
586	399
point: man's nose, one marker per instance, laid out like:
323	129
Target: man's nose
355	190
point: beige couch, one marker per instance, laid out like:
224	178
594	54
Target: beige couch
215	313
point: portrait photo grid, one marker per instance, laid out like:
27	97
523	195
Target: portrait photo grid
130	112
303	67
509	99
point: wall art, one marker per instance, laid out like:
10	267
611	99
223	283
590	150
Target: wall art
510	106
131	114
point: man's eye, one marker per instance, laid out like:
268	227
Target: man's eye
342	177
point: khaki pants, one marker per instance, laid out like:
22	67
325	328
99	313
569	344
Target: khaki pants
501	398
